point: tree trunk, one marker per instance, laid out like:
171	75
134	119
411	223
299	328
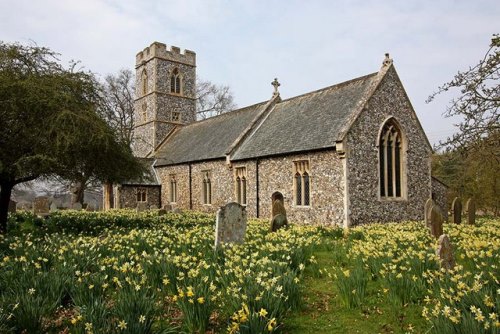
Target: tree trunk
5	193
77	192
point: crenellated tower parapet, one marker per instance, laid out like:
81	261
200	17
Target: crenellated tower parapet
160	50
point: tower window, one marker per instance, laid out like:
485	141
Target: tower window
173	189
144	112
241	185
207	188
144	81
176	116
142	195
302	183
390	160
175	82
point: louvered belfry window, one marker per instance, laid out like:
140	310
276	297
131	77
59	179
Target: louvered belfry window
302	183
390	160
175	82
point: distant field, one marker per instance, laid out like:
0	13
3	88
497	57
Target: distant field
127	272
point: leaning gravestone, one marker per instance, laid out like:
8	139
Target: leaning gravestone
470	208
456	211
53	207
427	208
12	206
231	224
142	206
445	252
435	219
41	206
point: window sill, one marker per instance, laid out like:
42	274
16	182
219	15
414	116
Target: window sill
393	199
305	207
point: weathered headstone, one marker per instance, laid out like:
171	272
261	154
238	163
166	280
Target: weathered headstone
435	219
77	206
12	206
470	208
427	208
231	224
176	210
167	207
456	211
445	252
142	206
53	207
162	212
41	206
278	212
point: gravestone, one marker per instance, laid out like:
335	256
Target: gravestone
278	212
162	212
53	207
77	206
435	219
167	207
427	208
12	206
176	210
41	206
445	252
456	211
141	206
470	208
231	224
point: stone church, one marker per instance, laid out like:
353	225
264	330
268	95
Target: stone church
347	154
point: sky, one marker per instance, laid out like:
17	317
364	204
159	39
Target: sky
245	44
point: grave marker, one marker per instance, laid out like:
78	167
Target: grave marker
445	252
456	211
470	208
231	224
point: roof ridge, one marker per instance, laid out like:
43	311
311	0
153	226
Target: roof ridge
225	113
338	85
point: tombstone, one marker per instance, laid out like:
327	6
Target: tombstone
177	210
456	211
53	207
278	212
76	206
427	207
162	212
231	224
445	252
167	207
470	208
12	206
435	219
41	206
141	206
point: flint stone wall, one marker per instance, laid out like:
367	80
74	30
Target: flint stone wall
389	100
440	196
128	196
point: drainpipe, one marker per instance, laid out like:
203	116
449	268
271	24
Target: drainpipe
190	189
257	187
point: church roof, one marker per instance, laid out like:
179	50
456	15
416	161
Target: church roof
313	121
307	122
149	178
207	139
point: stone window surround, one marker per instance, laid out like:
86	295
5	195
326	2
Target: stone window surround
144	82
142	195
173	189
403	162
176	82
305	165
206	193
240	185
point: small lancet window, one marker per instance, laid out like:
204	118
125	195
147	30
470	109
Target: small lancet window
390	160
175	82
173	189
142	195
302	183
207	188
144	81
241	185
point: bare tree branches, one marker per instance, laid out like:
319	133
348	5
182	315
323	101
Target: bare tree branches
212	99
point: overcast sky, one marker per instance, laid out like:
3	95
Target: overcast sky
245	44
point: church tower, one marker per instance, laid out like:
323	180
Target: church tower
165	93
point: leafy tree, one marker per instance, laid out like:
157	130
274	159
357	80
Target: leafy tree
212	99
478	103
50	125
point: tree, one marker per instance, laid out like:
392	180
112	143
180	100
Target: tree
478	103
118	104
50	125
212	99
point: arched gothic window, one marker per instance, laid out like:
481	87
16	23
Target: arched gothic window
144	80
391	160
142	195
241	185
175	82
173	189
302	183
207	188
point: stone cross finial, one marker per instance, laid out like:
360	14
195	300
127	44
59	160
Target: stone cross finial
275	84
387	61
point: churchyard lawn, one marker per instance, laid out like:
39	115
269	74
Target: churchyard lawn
128	272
